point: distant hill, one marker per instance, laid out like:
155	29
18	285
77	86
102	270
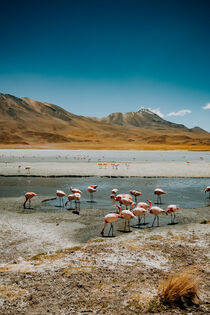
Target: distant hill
144	118
29	123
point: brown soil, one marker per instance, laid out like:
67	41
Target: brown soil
118	275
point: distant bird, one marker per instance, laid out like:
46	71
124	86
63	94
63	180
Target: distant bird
159	192
135	193
156	211
127	215
28	196
91	189
172	210
75	190
110	218
28	168
60	195
140	212
207	190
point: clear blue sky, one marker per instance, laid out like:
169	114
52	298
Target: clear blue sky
97	57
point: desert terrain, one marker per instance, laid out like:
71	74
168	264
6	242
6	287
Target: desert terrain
27	123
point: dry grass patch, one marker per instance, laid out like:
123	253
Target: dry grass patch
77	270
180	288
11	291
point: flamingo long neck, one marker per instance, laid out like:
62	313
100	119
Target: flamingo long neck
150	204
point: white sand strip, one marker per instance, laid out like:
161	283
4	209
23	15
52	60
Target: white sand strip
141	169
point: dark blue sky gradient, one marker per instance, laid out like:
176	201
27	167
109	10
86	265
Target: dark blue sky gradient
96	57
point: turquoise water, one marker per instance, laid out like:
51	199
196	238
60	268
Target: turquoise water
185	192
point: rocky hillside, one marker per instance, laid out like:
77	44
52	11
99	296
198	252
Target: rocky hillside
30	123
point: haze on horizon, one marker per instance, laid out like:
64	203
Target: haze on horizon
97	57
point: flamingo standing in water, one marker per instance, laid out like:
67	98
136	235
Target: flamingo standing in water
70	197
110	218
172	210
135	193
145	206
75	191
140	212
127	202
91	189
28	196
207	190
159	192
113	196
156	211
77	197
60	195
127	215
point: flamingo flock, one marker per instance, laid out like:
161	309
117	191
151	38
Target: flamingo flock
133	209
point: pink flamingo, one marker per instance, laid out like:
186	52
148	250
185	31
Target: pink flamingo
77	197
140	212
110	218
127	215
159	192
135	193
28	196
145	206
127	202
60	195
70	199
91	189
156	211
114	191
75	190
207	190
172	210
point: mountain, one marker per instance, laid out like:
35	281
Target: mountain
29	123
144	118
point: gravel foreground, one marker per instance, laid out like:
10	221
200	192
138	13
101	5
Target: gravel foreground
117	275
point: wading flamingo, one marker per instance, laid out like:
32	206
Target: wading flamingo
140	212
28	196
77	197
60	195
127	215
159	192
172	210
75	190
156	211
91	190
70	199
145	206
135	193
127	202
114	191
110	218
207	190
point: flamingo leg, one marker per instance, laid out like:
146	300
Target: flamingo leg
158	221
29	203
144	220
102	231
174	217
129	225
153	221
125	226
171	218
139	219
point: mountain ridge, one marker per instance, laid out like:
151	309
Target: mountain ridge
31	123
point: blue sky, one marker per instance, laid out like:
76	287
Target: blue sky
97	57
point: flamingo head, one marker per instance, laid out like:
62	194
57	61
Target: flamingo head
150	203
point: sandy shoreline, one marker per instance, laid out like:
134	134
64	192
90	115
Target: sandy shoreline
133	169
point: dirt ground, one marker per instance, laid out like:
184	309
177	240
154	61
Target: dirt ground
119	275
